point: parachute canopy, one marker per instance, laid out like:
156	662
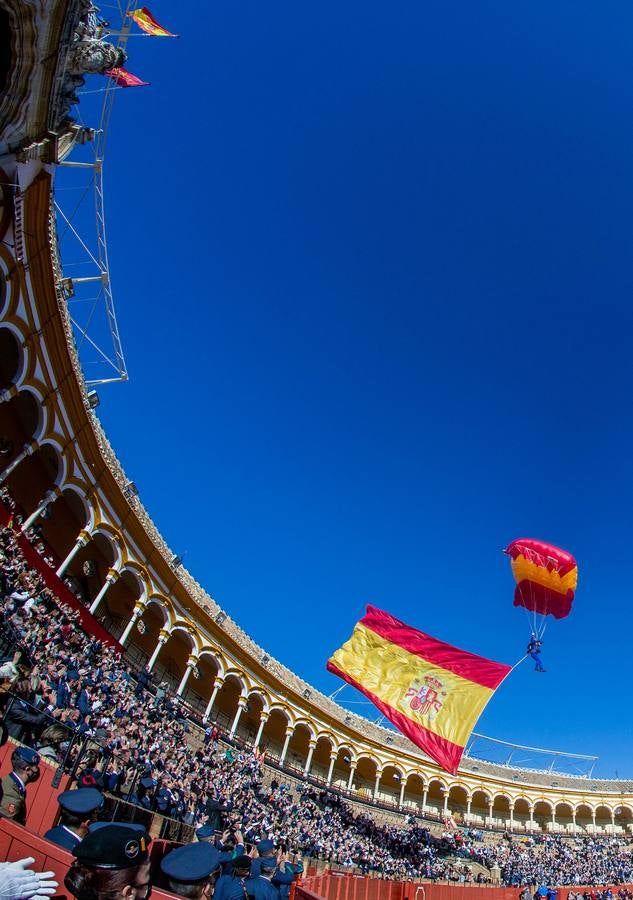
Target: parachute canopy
546	577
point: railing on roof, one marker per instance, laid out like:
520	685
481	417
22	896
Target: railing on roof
521	758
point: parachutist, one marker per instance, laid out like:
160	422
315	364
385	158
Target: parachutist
534	652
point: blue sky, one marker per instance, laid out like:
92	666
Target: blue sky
372	267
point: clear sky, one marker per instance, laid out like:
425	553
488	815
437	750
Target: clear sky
372	266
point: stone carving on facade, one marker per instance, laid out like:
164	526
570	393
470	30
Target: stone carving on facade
89	54
93	57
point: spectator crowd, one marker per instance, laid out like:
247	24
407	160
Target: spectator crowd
65	685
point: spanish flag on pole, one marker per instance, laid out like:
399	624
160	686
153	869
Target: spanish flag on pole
147	23
432	692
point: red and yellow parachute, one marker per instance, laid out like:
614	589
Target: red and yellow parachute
546	579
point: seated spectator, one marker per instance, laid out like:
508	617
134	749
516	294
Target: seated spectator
78	809
50	744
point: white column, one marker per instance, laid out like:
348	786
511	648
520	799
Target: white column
163	637
27	450
352	772
511	816
403	784
262	721
192	662
468	807
425	794
531	808
138	611
241	706
311	746
82	540
331	769
110	578
377	782
593	821
285	747
490	813
573	821
445	807
553	819
217	684
49	499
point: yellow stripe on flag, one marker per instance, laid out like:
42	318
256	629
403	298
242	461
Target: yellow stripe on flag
395	676
146	21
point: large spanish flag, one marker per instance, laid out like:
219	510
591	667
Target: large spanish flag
432	692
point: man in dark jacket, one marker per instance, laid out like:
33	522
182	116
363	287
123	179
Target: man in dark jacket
23	721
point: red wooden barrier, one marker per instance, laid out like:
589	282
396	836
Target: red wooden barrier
354	887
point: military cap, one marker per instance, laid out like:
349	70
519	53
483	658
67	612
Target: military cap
242	862
205	831
81	801
191	863
25	754
135	826
113	846
265	846
268	862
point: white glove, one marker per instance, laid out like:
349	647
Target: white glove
18	882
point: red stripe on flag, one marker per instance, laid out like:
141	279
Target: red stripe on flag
124	78
475	668
146	21
445	753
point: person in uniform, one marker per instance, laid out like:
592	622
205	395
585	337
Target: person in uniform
78	809
25	769
228	884
231	845
111	860
534	651
261	887
191	870
293	869
205	834
266	850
